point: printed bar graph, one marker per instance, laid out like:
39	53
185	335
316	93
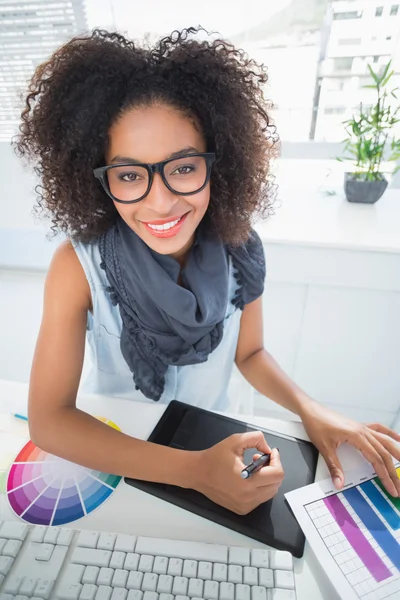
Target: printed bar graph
381	504
394	501
356	539
375	526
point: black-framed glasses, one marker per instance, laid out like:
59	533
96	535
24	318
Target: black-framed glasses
131	182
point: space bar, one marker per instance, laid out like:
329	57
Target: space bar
181	549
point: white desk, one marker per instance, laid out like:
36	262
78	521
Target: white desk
130	510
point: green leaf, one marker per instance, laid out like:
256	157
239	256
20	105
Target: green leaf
385	75
373	75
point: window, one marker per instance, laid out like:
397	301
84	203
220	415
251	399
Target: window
375	59
349	42
350	14
388	37
343	63
379	11
336	84
394	9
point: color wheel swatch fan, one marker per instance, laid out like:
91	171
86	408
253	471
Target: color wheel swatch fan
44	489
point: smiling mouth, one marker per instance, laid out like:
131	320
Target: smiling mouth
166	228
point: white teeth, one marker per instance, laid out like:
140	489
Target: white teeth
165	226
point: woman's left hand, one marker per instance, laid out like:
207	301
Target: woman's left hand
328	429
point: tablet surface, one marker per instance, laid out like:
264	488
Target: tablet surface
191	428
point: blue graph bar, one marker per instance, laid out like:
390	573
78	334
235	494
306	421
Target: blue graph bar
381	505
375	526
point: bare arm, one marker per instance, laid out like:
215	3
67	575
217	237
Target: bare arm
56	425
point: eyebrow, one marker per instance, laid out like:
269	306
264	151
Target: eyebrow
130	159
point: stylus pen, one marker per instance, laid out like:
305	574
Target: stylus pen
263	461
18	416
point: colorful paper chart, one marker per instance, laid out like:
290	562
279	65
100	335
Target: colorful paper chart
44	489
356	535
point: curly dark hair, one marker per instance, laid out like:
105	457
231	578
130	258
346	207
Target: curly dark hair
76	96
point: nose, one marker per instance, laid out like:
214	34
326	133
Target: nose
160	199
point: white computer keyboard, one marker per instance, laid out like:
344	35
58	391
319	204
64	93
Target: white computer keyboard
42	563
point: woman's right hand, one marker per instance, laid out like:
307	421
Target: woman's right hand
218	471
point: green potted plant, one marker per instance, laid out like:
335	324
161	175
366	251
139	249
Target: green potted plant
371	139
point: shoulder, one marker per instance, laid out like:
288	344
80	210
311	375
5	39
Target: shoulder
67	277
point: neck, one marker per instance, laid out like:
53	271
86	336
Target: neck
182	254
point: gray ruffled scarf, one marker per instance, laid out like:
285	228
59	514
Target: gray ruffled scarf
164	323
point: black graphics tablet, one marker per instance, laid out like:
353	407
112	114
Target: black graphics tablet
191	428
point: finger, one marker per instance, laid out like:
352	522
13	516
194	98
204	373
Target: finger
386	430
270	474
335	468
252	439
256	457
266	493
391	447
389	474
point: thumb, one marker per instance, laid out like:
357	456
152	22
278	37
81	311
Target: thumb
334	466
251	439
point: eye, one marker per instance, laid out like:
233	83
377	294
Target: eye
183	170
129	177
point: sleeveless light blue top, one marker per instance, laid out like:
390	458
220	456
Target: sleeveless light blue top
204	385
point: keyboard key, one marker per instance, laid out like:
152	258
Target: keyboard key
51	535
65	537
266	578
90	575
277	594
120	578
14	531
13	585
181	597
281	560
138	595
250	576
88	539
104	592
88	592
175	567
180	586
6	597
73	574
125	543
166	597
235	574
226	591
119	594
134	580
117	560
195	589
92	558
161	564
28	586
43	588
164	585
260	558
38	533
149	583
220	572
211	590
242	592
106	541
44	551
151	596
2	544
21	597
5	564
284	579
189	568
146	563
69	592
185	550
131	562
12	548
105	576
239	556
258	593
205	570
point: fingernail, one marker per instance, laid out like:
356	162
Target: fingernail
337	482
